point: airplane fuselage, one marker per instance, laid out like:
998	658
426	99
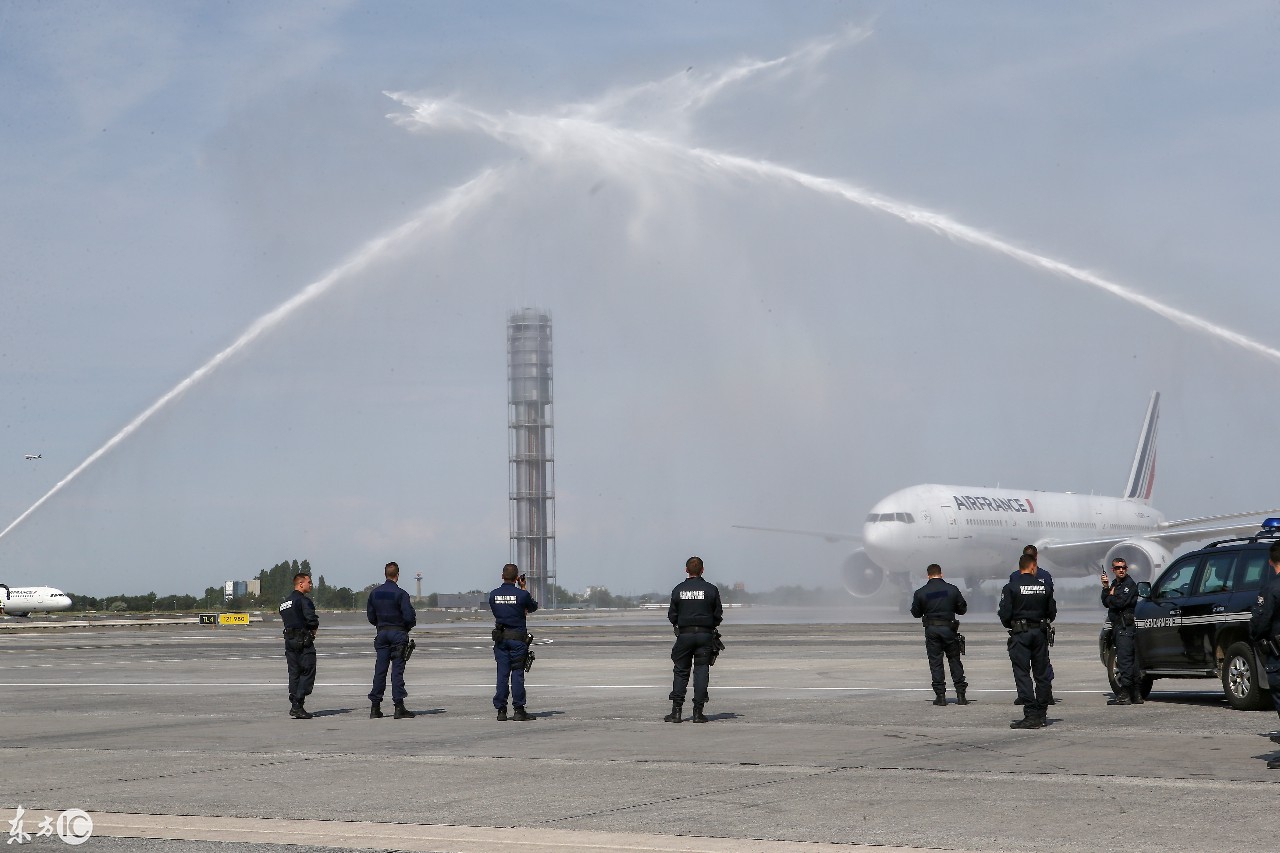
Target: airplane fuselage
980	532
21	600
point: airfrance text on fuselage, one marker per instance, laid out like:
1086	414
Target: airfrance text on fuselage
995	504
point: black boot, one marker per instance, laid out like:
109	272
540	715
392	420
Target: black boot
677	708
1121	698
521	716
502	714
1048	697
1030	720
403	713
298	712
698	716
375	710
1019	701
940	698
960	697
1135	696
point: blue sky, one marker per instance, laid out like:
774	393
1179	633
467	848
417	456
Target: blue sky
730	348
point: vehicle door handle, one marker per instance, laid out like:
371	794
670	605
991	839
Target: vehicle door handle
1218	608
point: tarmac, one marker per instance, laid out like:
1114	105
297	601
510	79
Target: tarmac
175	738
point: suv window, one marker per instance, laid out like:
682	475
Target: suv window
1250	570
1216	576
1176	582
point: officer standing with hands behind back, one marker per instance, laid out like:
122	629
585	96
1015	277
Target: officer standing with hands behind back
1120	597
1027	609
695	613
510	603
391	611
938	603
300	625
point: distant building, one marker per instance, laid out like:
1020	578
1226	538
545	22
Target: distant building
462	601
235	589
255	587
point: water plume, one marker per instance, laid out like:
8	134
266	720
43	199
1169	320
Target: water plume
580	131
439	214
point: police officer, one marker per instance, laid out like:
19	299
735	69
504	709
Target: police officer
1043	575
510	603
1027	609
1120	597
300	625
1264	630
938	603
695	612
391	611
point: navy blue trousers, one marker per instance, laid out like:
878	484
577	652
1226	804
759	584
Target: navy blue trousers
384	645
510	657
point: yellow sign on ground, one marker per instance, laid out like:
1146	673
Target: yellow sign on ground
233	618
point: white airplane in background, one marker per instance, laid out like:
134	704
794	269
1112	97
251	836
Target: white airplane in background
25	600
33	456
978	533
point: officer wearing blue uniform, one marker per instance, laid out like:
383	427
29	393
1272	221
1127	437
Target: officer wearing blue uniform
1264	630
300	625
391	611
1048	579
1027	609
1120	597
937	604
695	612
510	603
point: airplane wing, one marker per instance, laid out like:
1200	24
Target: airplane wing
830	537
1171	534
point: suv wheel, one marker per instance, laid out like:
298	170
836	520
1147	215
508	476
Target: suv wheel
1113	677
1240	678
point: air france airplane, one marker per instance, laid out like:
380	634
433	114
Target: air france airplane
978	533
25	600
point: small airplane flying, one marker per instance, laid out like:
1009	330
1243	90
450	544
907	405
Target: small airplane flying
33	456
25	600
978	533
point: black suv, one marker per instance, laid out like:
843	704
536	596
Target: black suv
1193	621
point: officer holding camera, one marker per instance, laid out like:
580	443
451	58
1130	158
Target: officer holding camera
1264	630
510	604
1120	597
300	625
391	611
695	612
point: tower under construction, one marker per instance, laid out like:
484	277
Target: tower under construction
531	444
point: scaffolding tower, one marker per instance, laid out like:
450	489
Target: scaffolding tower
531	444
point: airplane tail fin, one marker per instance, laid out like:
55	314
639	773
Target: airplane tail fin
1142	476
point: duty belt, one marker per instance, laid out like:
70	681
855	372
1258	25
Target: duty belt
393	628
936	622
695	629
1017	626
520	636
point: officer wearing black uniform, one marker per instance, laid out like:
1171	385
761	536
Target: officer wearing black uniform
510	603
300	625
1264	630
695	612
938	603
1027	609
1048	579
391	611
1120	597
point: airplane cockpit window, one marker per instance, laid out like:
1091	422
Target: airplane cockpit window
904	517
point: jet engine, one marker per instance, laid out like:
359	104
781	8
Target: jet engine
861	577
1146	559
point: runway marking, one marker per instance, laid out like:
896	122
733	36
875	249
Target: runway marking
367	835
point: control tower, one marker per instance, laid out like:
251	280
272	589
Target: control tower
531	445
